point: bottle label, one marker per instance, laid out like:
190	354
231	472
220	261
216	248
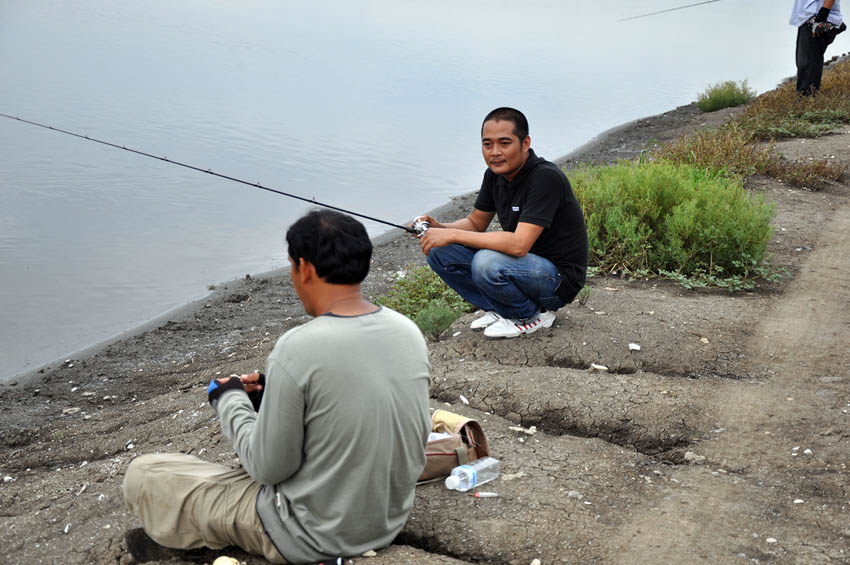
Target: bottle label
473	474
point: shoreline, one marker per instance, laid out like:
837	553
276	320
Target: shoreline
595	150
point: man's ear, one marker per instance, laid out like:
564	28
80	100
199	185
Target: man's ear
306	270
526	143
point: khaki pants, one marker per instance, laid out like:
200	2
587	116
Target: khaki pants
186	503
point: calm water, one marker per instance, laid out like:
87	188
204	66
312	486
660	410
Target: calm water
371	105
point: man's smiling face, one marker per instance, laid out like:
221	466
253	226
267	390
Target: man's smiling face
503	151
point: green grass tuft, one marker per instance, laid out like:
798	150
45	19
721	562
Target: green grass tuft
423	297
724	95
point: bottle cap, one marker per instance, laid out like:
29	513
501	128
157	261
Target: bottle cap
452	482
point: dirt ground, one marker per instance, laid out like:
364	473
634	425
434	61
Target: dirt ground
723	439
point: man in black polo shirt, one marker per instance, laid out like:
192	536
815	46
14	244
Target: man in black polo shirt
519	276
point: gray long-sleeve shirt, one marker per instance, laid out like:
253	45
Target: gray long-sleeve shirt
339	440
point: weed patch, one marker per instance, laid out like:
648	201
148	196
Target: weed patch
423	297
662	217
724	95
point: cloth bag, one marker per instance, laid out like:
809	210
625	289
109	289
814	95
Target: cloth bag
466	442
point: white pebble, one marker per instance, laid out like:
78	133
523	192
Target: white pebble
463	399
455	334
634	347
8	479
807	452
770	540
798	501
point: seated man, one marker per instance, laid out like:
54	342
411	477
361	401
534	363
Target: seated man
519	276
331	457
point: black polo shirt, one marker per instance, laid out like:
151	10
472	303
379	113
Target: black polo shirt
540	194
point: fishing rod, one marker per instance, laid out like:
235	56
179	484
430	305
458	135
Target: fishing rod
667	10
208	171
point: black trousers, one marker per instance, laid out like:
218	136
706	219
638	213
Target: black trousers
810	52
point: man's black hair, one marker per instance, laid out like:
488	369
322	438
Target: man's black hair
511	115
335	243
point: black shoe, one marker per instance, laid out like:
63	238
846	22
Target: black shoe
144	549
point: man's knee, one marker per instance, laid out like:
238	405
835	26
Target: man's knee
487	265
134	478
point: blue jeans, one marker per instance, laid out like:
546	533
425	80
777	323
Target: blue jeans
513	287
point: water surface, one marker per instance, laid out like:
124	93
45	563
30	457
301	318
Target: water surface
373	106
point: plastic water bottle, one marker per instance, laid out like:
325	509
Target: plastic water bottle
478	472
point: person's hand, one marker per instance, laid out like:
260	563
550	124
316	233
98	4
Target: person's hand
435	237
253	382
432	222
218	386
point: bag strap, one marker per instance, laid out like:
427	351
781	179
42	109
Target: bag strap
462	455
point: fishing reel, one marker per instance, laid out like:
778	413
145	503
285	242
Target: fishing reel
420	226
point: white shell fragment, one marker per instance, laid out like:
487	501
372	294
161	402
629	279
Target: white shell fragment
596	367
634	347
464	399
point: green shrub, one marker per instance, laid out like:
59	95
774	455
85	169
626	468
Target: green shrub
659	217
435	318
419	291
724	95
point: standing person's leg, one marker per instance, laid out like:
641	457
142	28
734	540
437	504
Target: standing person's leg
453	264
810	52
185	503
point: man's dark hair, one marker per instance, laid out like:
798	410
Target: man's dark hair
510	115
336	244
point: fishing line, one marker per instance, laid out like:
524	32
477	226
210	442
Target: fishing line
667	10
208	171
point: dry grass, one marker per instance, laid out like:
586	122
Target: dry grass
735	148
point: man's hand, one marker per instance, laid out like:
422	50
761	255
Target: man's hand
254	384
435	237
432	222
218	386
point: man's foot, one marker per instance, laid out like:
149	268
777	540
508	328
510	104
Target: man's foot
505	327
487	319
144	549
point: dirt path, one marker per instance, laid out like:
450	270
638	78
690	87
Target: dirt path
774	499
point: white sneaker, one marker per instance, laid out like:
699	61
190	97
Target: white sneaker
485	320
505	327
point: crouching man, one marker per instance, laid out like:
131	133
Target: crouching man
331	438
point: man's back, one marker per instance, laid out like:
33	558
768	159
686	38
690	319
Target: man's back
339	440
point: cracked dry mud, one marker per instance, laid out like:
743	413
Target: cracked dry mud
722	440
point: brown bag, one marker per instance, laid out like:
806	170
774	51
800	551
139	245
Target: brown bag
466	443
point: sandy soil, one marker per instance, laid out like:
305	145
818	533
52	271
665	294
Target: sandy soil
722	440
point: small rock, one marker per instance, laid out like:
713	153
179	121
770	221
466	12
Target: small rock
595	367
693	457
370	553
634	347
798	501
224	560
770	540
463	399
704	339
8	479
69	411
455	334
534	562
575	494
807	452
67	527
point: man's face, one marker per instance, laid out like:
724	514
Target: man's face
503	151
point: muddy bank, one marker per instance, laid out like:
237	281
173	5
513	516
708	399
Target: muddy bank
691	449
